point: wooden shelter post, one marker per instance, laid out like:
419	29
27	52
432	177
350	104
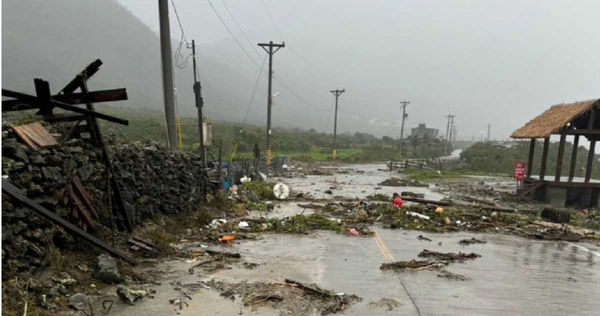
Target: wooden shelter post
590	161
544	158
561	153
530	160
573	158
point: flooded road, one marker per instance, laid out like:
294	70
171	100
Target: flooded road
351	182
513	276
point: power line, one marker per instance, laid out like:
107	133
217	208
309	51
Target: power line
255	87
232	35
178	55
239	27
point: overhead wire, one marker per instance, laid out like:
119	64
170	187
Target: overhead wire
254	90
311	65
179	60
240	28
232	35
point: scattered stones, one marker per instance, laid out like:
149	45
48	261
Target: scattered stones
79	301
128	295
107	270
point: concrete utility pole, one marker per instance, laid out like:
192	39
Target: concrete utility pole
404	115
452	131
271	49
337	94
167	72
199	106
449	128
488	134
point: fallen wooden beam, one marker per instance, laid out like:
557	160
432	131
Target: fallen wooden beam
424	201
13	192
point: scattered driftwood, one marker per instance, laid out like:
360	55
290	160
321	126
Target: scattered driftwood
471	241
452	276
478	200
312	290
448	256
424	201
421	237
223	254
311	206
413	265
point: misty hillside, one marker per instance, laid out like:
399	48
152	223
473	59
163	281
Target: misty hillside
56	39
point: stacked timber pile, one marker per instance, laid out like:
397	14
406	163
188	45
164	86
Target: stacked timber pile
71	180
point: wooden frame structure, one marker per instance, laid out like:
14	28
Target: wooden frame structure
576	120
67	99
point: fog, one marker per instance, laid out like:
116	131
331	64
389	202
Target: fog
487	62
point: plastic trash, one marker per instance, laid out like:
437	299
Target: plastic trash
227	238
353	232
419	215
217	222
281	191
245	179
439	210
243	225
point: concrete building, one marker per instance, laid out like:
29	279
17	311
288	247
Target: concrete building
424	132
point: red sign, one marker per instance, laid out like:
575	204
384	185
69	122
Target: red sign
519	171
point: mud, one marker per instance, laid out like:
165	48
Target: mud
288	297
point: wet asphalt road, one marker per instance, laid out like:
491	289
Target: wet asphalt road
514	276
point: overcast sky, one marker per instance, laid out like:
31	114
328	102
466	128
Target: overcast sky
497	62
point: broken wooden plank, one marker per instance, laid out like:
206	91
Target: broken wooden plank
25	138
86	218
84	196
39	135
88	72
424	201
141	245
309	289
73	98
13	192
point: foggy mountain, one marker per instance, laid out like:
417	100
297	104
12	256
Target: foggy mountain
486	62
55	40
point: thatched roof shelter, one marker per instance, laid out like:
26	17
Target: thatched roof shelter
555	118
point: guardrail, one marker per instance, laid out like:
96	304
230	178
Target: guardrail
424	164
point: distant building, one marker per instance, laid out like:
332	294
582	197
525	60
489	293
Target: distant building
423	132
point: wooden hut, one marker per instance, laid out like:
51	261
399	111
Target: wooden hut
567	120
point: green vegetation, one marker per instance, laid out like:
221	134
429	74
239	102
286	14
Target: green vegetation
422	175
301	224
239	140
261	189
492	158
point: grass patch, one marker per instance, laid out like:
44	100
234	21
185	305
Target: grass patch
303	224
55	259
422	175
261	189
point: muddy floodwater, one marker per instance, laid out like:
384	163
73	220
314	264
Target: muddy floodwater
513	276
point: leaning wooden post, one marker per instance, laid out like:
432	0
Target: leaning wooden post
544	158
561	152
590	161
573	158
592	150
